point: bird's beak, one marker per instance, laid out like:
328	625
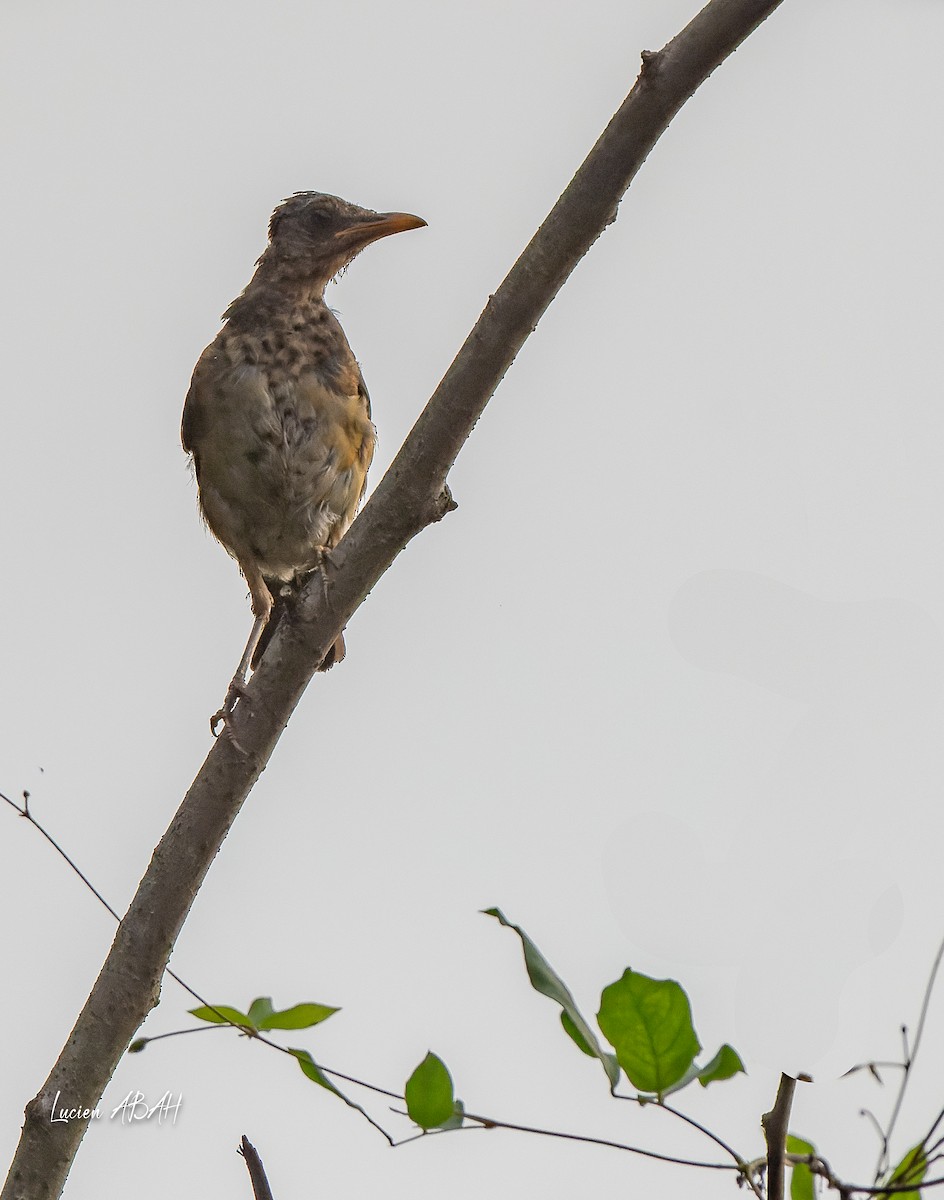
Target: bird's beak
377	225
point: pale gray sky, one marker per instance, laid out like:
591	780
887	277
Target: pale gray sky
667	686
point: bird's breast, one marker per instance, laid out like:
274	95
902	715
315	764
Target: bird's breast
282	459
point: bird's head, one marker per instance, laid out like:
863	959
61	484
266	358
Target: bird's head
315	236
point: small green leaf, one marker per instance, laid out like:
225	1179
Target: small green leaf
311	1069
314	1072
138	1045
912	1169
573	1032
725	1064
544	979
220	1014
260	1008
801	1177
299	1016
649	1024
429	1096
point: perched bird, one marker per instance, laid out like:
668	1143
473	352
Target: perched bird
278	418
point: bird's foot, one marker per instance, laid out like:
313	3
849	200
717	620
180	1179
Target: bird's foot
234	693
327	568
327	563
324	568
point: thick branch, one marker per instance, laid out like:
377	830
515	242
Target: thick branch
411	495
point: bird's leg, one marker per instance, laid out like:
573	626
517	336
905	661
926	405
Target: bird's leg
262	608
237	687
326	568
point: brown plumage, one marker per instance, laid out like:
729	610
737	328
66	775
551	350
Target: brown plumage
278	418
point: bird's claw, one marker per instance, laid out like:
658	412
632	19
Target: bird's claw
327	568
220	719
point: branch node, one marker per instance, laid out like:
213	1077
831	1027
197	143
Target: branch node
444	504
651	61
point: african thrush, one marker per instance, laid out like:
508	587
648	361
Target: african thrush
278	418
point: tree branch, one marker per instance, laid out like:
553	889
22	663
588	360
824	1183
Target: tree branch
411	495
260	1184
775	1125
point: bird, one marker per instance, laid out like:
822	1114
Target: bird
277	419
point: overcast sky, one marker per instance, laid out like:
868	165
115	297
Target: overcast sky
667	687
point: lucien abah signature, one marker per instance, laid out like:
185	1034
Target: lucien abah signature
134	1107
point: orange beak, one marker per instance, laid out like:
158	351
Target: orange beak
378	225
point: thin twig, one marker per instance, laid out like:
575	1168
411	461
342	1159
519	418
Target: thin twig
872	1068
159	1037
877	1126
428	1133
492	1123
739	1160
371	1087
24	811
850	1189
926	1002
909	1058
931	1132
675	1112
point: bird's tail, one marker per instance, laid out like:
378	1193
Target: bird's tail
285	597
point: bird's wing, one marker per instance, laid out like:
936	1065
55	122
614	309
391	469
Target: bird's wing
362	391
207	367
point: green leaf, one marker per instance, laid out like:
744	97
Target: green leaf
544	979
429	1096
801	1177
726	1062
314	1072
311	1069
649	1024
138	1045
299	1016
912	1169
573	1032
260	1008
219	1014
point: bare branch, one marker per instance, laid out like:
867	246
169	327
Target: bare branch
492	1123
909	1057
260	1185
775	1125
412	495
739	1162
